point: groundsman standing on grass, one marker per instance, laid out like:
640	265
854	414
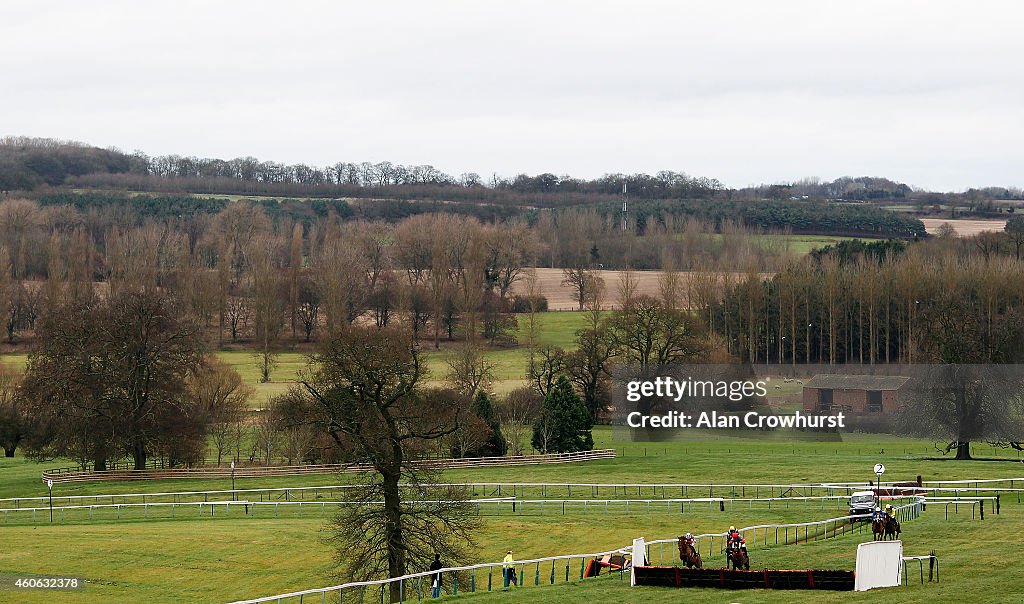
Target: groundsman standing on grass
435	579
508	569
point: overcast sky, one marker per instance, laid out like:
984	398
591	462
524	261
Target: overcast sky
928	93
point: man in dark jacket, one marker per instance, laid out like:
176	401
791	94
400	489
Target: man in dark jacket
436	577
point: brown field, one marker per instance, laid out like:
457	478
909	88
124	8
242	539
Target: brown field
963	227
561	297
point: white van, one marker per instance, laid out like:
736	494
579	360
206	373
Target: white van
862	502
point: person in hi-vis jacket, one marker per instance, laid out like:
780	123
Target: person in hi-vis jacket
508	570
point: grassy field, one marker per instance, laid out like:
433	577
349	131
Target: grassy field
223	559
555	328
802	245
798	245
719	459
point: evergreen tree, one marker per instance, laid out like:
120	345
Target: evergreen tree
564	423
484	409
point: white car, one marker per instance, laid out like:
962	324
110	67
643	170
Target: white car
862	502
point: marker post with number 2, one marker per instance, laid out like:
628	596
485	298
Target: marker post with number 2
879	470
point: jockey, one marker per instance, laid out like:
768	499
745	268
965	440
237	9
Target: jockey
688	540
890	511
734	540
878	514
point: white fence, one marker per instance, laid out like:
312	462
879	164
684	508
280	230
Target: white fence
530	490
412	585
64	475
494	506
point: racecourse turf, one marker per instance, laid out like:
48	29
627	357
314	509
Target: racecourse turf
220	559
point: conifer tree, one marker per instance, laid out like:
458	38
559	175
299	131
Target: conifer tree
564	423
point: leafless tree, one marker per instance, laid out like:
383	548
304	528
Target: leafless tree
15	423
584	283
238	312
362	390
223	399
469	370
545	366
517	412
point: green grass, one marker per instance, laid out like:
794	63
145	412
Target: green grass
970	570
220	559
169	561
717	458
223	559
798	245
282	377
510	364
801	244
555	328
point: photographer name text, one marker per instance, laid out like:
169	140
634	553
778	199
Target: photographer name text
751	420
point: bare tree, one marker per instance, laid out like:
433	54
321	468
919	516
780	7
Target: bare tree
362	389
308	311
340	274
110	378
238	312
469	370
437	520
584	282
651	335
510	247
295	259
223	399
545	367
297	442
15	424
414	247
267	433
517	412
268	305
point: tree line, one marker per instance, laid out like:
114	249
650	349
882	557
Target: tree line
253	274
946	301
27	164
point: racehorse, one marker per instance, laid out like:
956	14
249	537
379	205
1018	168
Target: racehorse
739	558
885	529
892	528
689	555
877	529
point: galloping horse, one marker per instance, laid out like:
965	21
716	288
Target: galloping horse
885	529
739	558
892	528
689	555
877	529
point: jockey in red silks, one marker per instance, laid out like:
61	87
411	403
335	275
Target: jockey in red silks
735	541
689	540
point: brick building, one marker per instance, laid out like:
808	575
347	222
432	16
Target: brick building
855	394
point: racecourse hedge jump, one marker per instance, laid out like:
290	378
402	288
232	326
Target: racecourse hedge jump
673	576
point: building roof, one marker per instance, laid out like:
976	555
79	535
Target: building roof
857	382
